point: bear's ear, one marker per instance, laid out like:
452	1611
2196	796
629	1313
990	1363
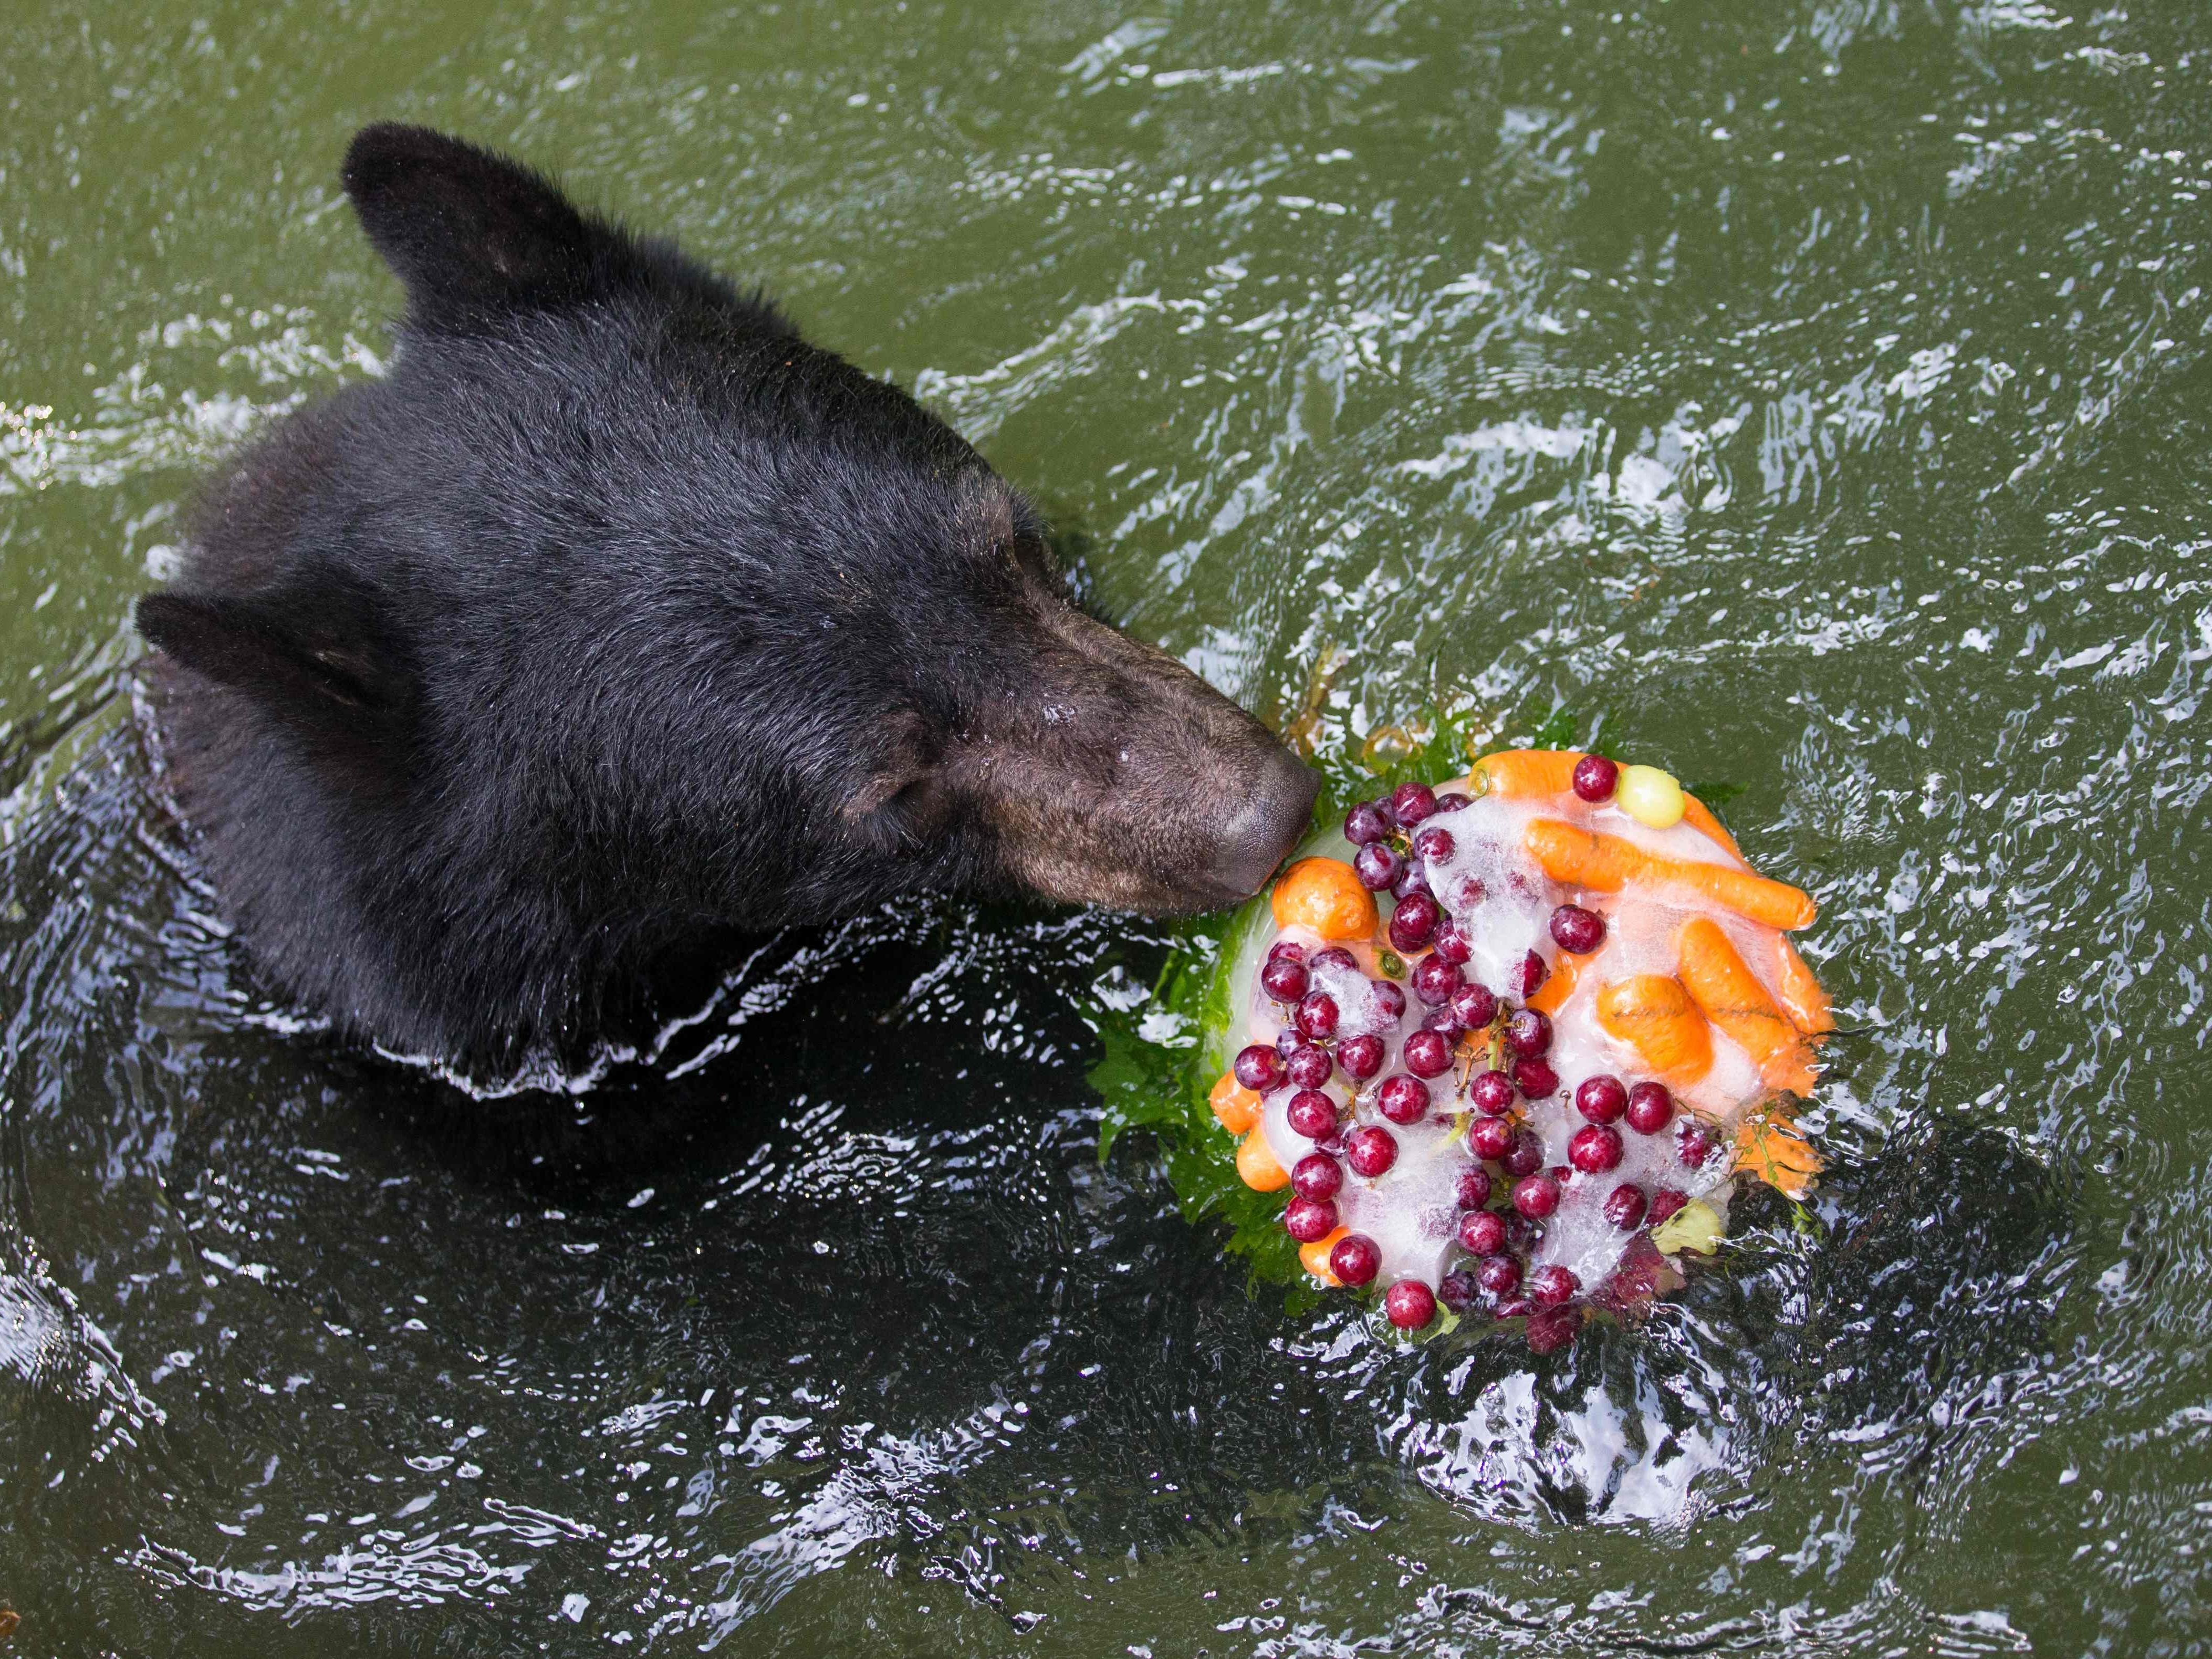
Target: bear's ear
326	666
474	236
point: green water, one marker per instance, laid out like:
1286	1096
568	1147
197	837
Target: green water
1821	385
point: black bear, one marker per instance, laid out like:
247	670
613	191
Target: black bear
619	617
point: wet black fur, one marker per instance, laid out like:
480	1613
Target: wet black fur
618	617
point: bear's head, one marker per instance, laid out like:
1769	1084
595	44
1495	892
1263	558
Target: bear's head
617	617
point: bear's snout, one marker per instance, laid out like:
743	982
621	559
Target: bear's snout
1271	824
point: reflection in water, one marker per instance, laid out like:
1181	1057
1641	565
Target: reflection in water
1817	387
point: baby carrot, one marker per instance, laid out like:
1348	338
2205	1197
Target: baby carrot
1587	858
1324	893
1654	1015
1770	1146
1553	994
1236	1107
1257	1167
1583	858
1733	999
1803	999
1314	1257
1516	772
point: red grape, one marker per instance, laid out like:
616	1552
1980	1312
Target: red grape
1498	1274
1403	1099
1664	1203
1378	865
1413	923
1284	979
1651	1108
1625	1205
1457	1291
1258	1068
1435	841
1410	1305
1493	1091
1317	1016
1473	1006
1311	1113
1356	1259
1360	1056
1595	1148
1309	1066
1451	943
1534	970
1594	778
1482	1232
1534	1078
1316	1175
1525	1157
1529	1032
1601	1098
1551	1284
1335	956
1390	997
1307	1219
1365	824
1412	802
1574	928
1536	1197
1491	1137
1428	1053
1553	1328
1696	1145
1474	1187
1435	979
1370	1150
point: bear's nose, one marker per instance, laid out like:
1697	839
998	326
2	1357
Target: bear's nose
1272	820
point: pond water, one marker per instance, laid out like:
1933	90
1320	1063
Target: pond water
1821	386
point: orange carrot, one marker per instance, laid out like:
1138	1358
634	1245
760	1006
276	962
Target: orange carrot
1803	999
1714	974
1257	1167
1583	858
1324	893
1654	1015
1314	1257
1553	994
1517	772
1770	1146
1698	815
1236	1107
1588	858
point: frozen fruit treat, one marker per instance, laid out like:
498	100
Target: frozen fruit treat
1506	1046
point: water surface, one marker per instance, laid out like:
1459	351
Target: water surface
1821	386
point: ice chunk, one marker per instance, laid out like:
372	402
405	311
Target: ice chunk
1490	886
1363	1008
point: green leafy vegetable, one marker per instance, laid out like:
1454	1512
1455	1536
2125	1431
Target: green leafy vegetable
1696	1226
